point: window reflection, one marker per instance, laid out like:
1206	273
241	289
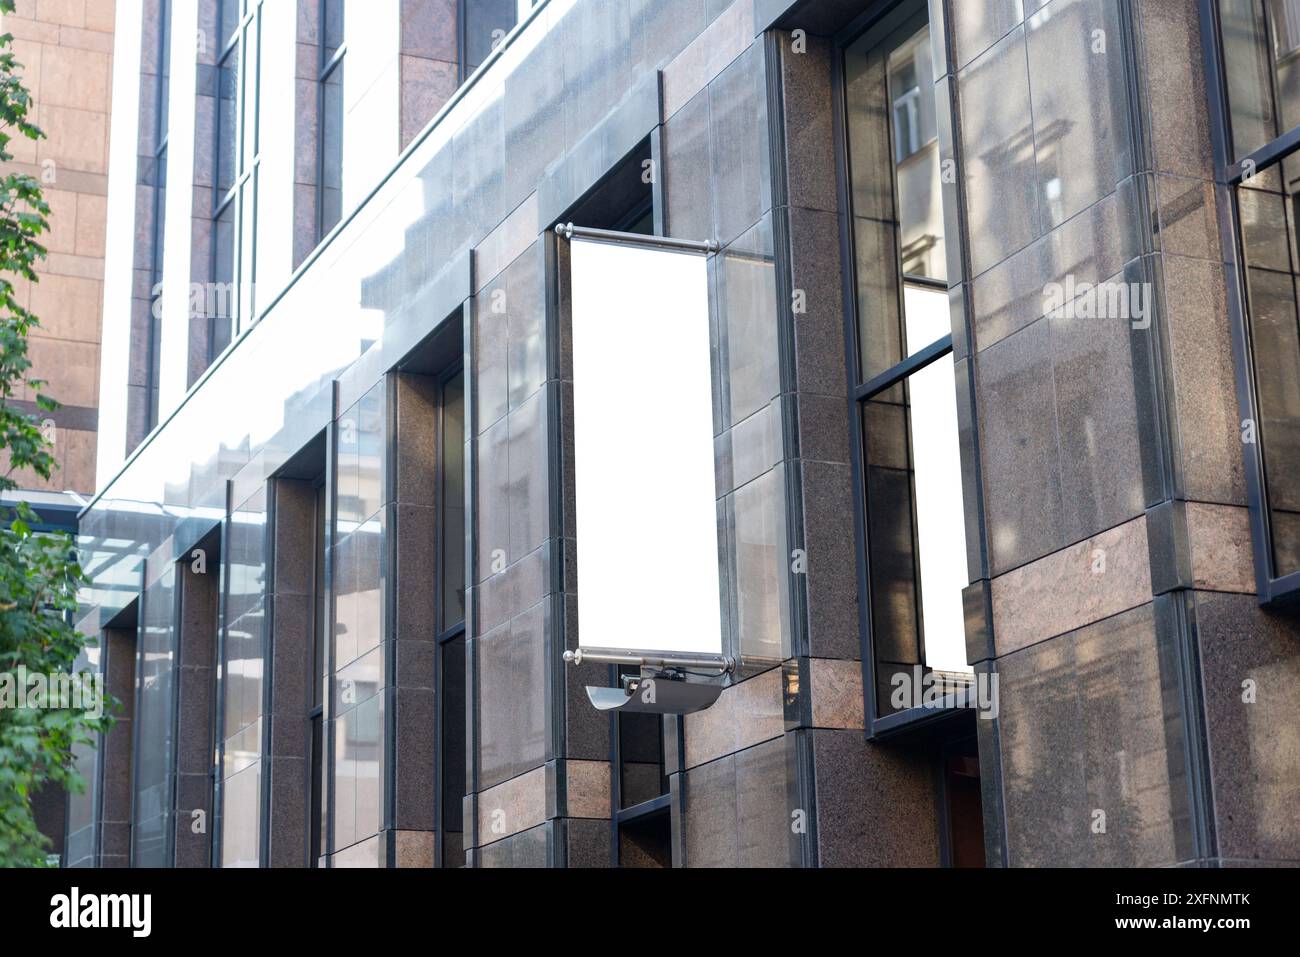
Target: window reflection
229	301
1268	222
1261	46
330	158
484	24
1261	55
912	495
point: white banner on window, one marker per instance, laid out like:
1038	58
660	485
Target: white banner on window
643	433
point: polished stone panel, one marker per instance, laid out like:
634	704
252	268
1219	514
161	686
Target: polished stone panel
513	806
1250	664
976	27
859	788
836	693
998	147
1205	394
1221	550
744	715
1092	752
587	785
1174	76
734	813
1077	77
1020	448
1076	586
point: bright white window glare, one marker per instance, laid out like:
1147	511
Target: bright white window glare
928	317
643	447
940	517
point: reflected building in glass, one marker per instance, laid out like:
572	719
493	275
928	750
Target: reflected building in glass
1002	348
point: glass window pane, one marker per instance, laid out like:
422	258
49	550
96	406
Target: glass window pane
225	140
915	517
220	306
230	14
246	271
331	28
252	56
896	192
331	140
1267	225
1284	24
486	24
1261	54
641	758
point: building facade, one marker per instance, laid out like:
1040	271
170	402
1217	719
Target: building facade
65	52
1003	350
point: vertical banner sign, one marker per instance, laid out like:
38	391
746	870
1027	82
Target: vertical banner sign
647	522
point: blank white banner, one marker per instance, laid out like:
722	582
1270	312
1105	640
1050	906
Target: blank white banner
643	434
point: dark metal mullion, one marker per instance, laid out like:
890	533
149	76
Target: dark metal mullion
255	23
651	808
178	599
326	70
1270	154
328	66
222	676
163	82
462	43
320	120
331	624
317	709
903	370
268	676
1248	382
138	679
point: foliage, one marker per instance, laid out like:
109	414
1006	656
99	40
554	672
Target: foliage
39	573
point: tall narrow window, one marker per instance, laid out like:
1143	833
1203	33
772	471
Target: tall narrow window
452	757
329	174
1260	43
232	299
160	205
907	460
910	489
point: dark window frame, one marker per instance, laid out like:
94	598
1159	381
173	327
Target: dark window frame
915	719
240	198
328	64
1273	590
162	101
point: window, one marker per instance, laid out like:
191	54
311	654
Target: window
159	207
910	494
907	461
452	757
483	25
236	148
1259	44
329	173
